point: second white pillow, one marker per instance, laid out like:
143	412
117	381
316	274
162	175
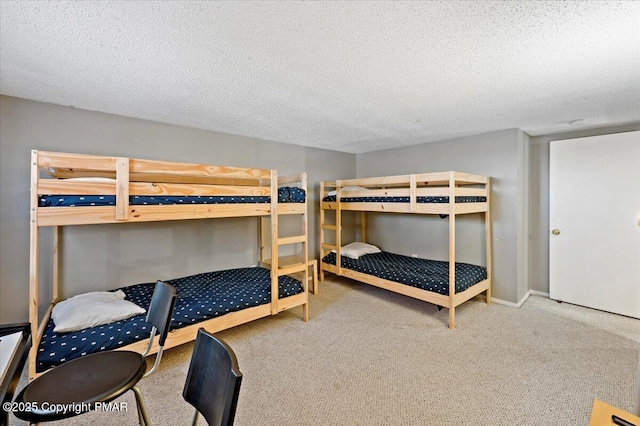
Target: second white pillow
356	249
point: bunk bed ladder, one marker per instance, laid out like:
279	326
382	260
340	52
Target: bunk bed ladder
297	264
285	265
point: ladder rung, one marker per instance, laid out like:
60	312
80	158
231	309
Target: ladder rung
300	267
292	240
329	247
332	227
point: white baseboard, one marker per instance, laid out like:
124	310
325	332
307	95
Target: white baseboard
513	305
517	305
538	293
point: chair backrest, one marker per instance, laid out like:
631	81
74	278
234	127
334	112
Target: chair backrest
213	381
161	308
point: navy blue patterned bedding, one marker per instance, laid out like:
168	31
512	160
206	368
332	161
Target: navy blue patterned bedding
421	200
200	297
286	194
430	275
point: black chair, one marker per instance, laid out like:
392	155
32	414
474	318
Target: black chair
76	386
213	381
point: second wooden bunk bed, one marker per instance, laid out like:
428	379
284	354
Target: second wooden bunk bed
128	182
444	193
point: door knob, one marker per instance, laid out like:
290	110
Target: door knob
556	232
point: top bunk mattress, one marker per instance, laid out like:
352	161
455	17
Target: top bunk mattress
426	274
288	194
420	200
200	297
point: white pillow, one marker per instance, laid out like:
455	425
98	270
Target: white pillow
356	249
348	188
92	309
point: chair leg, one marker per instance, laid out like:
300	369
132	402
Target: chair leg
139	411
143	416
194	419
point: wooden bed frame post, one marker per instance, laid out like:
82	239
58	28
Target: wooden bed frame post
487	221
274	242
305	249
56	266
33	263
321	231
363	226
122	188
413	190
338	228
261	236
452	248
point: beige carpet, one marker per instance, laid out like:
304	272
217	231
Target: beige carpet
371	357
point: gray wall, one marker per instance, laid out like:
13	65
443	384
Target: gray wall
499	155
108	256
539	199
104	257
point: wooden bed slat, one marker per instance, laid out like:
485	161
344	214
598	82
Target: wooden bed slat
292	240
290	179
76	161
161	178
376	181
69	187
471	192
214	325
468	208
300	267
52	216
471	292
469	178
203	170
416	293
291	208
292	301
437	178
402	192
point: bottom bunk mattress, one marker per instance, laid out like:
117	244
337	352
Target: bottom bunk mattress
430	275
200	297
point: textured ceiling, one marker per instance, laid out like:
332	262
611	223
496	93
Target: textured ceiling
347	76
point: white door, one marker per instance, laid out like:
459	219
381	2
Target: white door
594	245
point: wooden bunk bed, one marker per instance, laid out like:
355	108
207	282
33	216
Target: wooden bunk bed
127	190
445	194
